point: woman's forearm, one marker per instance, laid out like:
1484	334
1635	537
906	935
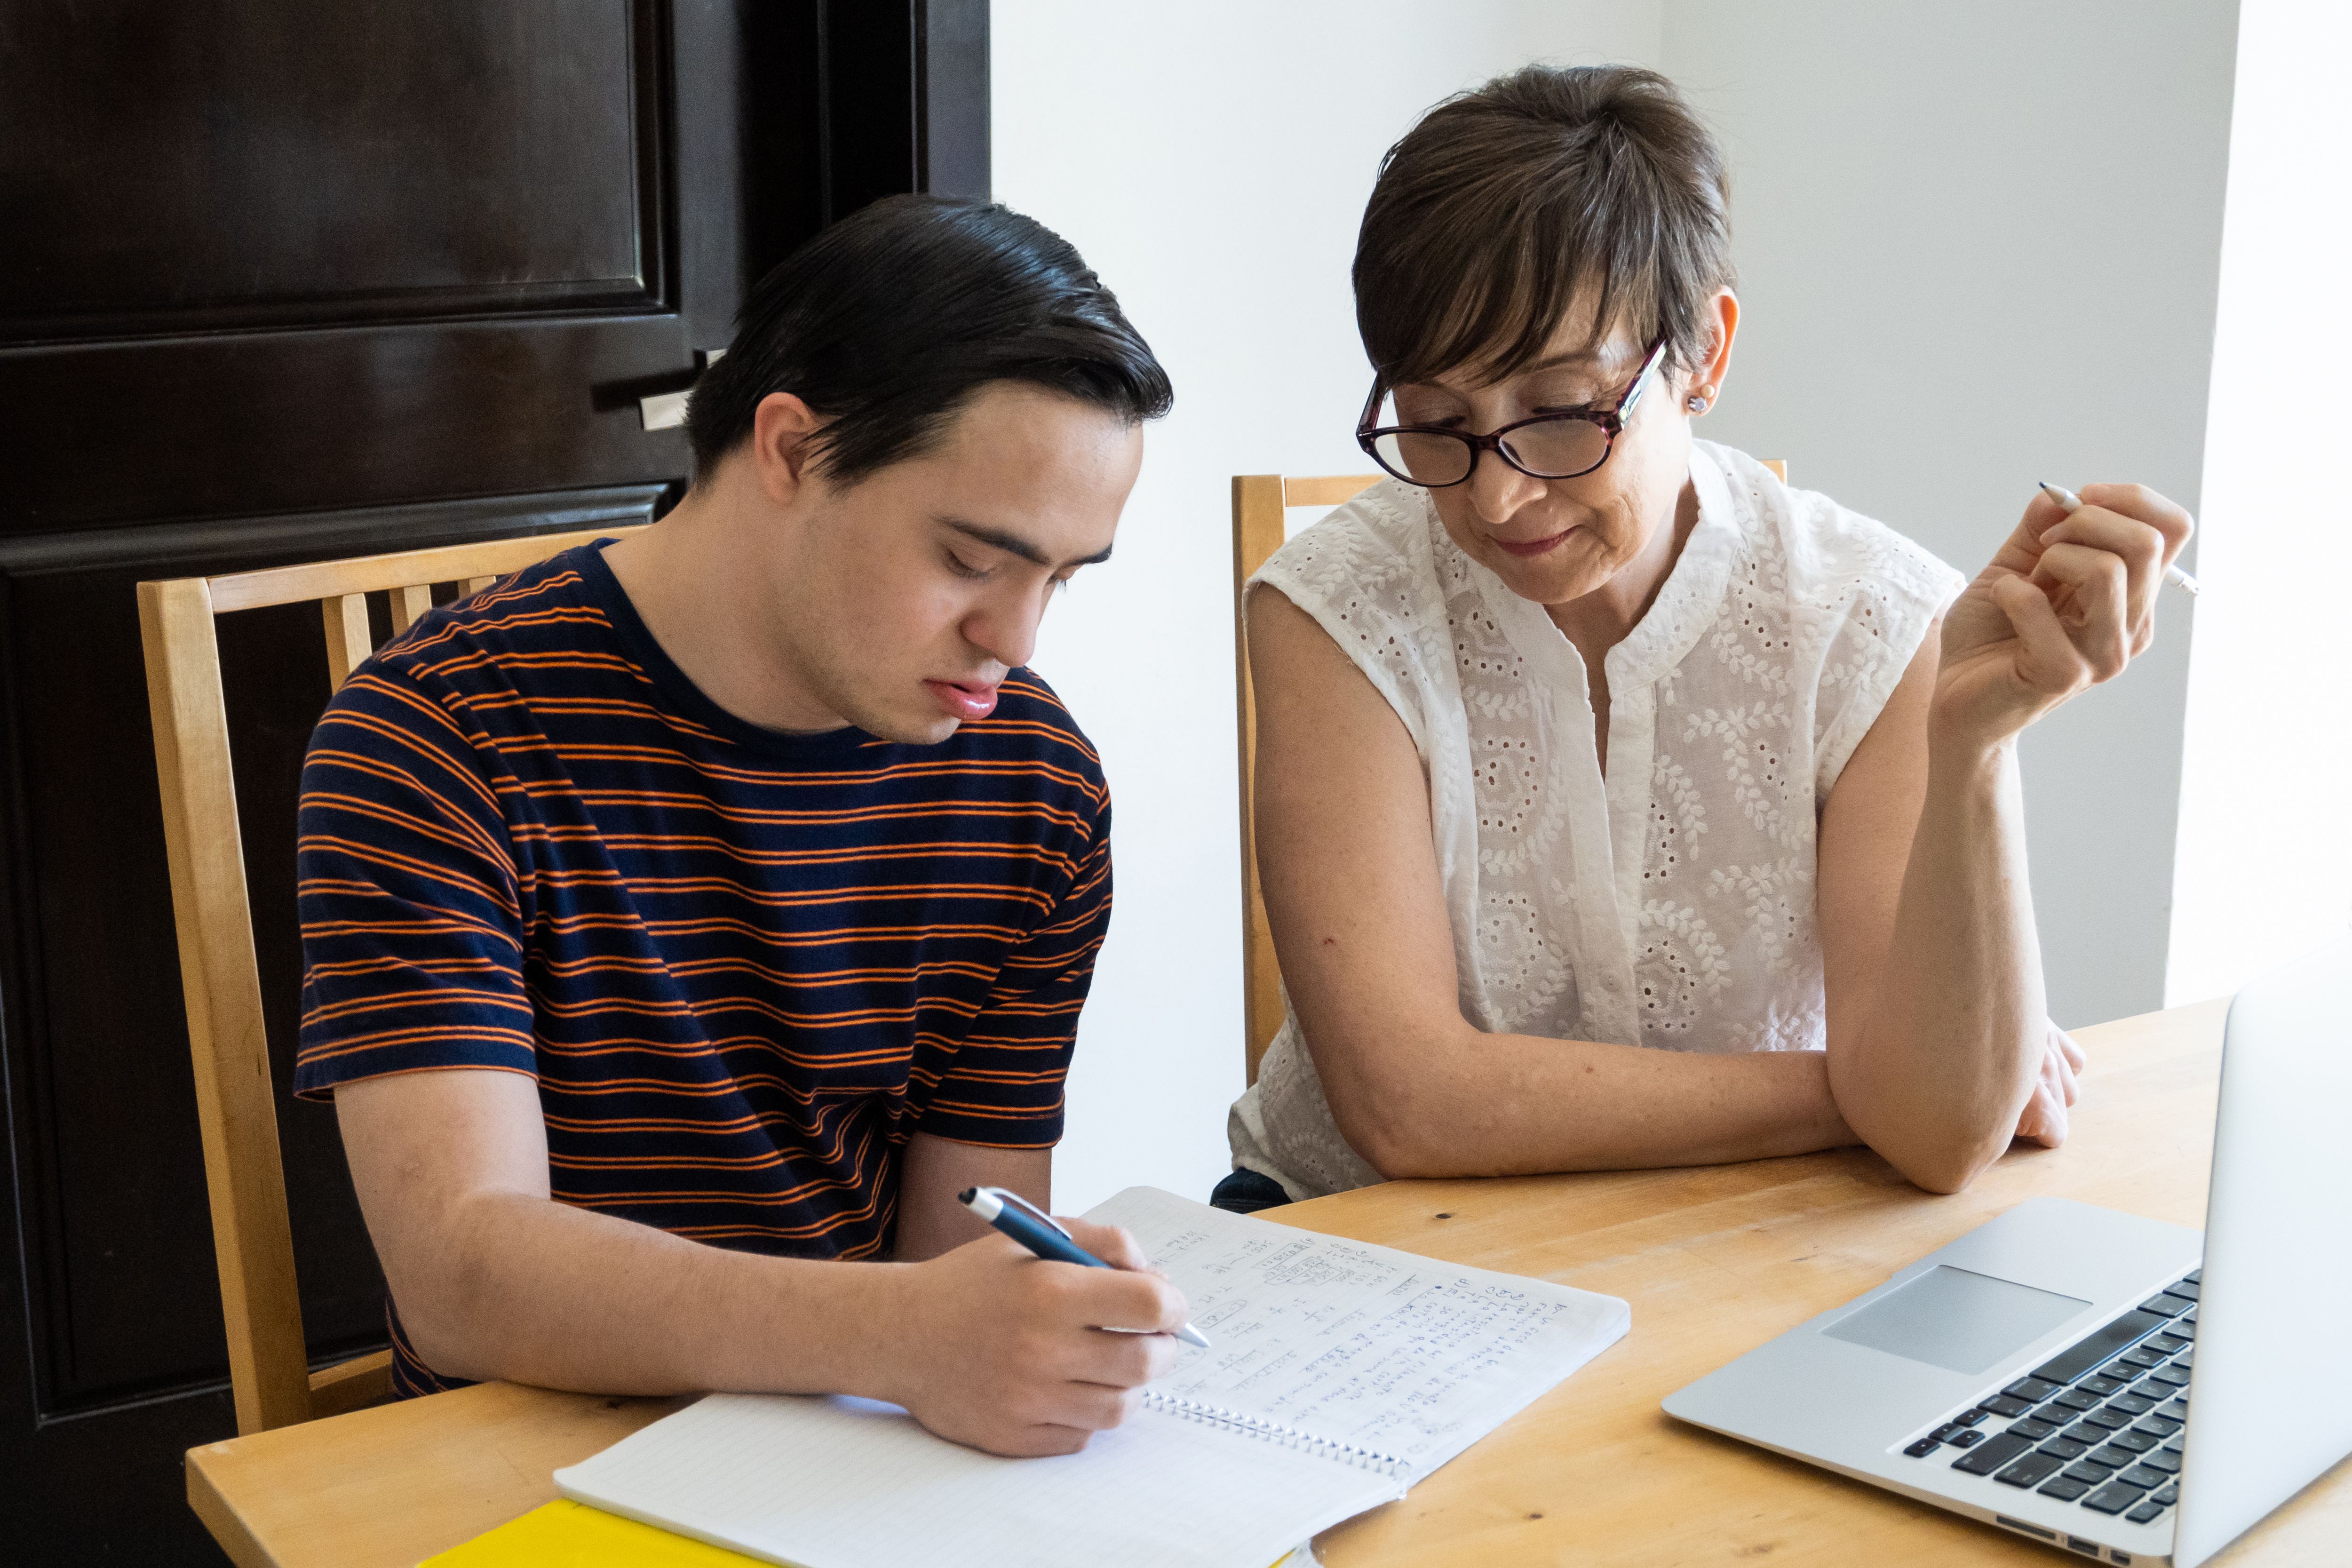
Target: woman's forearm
1935	1076
1472	1104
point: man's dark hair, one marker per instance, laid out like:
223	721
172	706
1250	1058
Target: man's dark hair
1503	207
890	321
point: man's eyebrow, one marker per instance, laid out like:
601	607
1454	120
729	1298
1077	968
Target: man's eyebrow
1014	544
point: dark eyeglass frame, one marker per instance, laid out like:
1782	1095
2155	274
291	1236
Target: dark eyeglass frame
1612	422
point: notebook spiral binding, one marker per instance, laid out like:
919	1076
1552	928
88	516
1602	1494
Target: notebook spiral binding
1269	1431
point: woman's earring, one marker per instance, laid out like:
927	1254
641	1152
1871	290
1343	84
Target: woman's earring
1697	400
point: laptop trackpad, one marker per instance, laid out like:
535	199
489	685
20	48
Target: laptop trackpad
1956	1319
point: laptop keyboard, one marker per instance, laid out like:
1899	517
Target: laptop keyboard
2099	1423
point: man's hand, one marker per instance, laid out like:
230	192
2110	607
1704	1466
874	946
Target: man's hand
995	1348
2043	1121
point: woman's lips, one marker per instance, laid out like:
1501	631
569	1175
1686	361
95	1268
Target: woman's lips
1524	548
963	701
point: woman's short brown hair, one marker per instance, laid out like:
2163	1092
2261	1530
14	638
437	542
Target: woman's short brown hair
1503	209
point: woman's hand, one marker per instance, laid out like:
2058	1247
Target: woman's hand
2065	604
2043	1121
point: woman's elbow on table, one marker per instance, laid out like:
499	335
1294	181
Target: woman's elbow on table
1947	1164
1945	1179
2042	1119
1405	1155
1392	1132
1385	1103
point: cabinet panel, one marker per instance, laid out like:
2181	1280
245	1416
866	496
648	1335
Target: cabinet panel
213	163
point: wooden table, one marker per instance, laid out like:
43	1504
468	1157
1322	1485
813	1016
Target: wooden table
1714	1260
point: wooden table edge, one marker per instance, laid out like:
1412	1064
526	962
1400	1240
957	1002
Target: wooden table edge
493	1422
221	1517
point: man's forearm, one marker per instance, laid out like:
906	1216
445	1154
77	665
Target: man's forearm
526	1288
1936	1075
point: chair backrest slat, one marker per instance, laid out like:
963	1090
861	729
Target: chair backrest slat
349	642
409	605
382	573
1324	490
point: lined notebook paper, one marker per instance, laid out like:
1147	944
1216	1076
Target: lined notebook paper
1341	1372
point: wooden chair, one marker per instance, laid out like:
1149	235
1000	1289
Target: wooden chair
1260	502
244	1171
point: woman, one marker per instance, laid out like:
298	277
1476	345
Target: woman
1618	805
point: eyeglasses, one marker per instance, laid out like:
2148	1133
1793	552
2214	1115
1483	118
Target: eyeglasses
1561	446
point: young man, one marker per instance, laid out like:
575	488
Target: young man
687	918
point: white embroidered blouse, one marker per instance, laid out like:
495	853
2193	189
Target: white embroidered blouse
1671	903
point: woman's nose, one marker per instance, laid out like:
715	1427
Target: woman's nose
1498	489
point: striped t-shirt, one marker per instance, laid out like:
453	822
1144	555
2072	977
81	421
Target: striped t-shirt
743	967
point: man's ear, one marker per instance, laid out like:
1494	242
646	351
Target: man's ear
781	450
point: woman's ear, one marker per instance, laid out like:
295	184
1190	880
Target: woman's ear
1707	378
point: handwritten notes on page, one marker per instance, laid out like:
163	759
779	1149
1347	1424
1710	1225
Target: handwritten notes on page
1355	1343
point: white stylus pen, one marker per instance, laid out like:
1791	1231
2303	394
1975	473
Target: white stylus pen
2072	503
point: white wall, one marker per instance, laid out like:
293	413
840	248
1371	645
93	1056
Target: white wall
2264	868
1212	161
1979	247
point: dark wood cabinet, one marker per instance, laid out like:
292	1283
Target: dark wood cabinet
281	280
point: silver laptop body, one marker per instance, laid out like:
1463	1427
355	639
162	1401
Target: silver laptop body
1928	1384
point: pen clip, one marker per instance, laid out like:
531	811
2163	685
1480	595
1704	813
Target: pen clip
1006	1194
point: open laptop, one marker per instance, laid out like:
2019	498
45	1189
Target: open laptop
2116	1387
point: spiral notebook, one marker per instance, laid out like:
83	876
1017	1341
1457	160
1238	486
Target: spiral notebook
1341	1372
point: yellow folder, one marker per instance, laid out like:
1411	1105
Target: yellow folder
567	1535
